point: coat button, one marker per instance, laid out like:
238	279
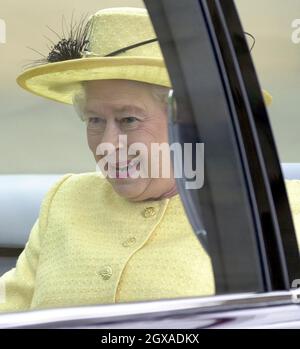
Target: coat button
129	242
149	212
105	272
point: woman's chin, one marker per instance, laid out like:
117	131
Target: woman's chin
128	188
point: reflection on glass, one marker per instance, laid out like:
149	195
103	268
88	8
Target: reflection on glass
276	57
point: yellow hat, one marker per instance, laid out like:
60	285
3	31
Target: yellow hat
116	43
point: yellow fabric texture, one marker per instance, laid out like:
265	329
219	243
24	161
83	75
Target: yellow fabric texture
293	190
91	246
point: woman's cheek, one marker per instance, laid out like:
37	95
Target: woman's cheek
143	134
93	142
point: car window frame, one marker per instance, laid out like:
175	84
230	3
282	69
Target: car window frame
192	312
274	245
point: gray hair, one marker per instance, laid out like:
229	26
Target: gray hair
160	93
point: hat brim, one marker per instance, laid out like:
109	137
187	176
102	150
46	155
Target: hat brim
61	80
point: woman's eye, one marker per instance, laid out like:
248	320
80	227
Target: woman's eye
129	120
94	121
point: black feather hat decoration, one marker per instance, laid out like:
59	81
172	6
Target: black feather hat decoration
74	43
71	45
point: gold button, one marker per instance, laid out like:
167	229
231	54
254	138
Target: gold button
129	242
105	272
149	212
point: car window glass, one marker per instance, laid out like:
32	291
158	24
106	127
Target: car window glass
274	26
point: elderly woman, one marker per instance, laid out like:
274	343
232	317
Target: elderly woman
109	240
116	238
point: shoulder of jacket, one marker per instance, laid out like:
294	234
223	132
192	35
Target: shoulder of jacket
293	191
73	185
293	188
82	182
292	183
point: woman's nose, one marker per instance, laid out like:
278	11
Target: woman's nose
111	134
117	141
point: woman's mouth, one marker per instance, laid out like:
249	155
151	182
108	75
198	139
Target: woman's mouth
127	170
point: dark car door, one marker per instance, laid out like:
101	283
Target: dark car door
217	100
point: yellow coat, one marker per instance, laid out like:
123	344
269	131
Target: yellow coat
91	246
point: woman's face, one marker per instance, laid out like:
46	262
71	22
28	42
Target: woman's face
117	108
